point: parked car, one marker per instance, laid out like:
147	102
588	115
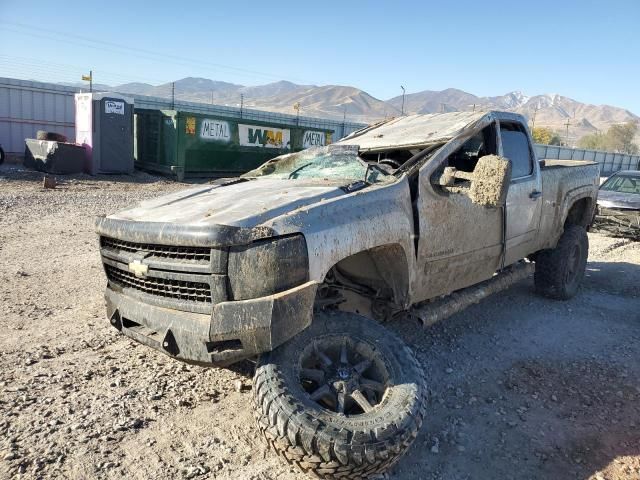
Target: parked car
297	264
618	212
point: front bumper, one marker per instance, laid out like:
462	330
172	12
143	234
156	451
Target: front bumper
235	330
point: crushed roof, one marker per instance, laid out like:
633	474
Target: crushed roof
412	131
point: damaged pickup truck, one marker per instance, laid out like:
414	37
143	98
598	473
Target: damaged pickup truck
297	265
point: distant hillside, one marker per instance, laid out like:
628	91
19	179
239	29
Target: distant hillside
273	89
337	102
549	110
135	88
331	101
429	101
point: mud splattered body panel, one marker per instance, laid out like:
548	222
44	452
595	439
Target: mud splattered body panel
420	239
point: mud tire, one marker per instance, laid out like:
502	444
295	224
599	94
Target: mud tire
2	156
51	136
560	270
325	443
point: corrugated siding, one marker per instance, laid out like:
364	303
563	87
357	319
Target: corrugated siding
26	107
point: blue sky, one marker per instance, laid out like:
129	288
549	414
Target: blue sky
587	50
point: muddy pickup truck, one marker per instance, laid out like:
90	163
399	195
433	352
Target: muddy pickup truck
297	264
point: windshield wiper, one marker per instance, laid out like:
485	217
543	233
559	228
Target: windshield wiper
298	169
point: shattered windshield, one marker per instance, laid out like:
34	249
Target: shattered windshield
333	162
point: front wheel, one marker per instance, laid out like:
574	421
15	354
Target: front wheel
344	398
560	270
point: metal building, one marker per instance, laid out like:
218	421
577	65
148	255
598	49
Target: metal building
26	107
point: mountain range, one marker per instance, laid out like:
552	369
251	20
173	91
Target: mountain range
338	102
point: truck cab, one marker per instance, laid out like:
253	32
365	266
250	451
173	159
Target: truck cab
477	243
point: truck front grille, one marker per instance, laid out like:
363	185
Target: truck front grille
193	254
162	287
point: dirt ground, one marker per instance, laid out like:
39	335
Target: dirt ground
521	387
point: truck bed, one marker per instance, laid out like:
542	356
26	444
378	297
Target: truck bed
555	163
564	182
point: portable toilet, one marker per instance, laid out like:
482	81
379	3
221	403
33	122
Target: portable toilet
104	125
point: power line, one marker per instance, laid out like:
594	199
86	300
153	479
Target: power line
38	31
33	69
46	66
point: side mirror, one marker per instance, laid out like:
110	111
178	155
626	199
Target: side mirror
489	180
490	184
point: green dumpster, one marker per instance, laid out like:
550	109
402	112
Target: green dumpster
188	144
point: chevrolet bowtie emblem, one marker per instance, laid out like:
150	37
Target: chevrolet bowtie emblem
138	268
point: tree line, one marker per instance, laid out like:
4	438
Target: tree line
619	138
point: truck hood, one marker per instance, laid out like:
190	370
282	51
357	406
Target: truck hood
244	203
627	201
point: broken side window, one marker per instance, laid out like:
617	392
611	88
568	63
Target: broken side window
466	157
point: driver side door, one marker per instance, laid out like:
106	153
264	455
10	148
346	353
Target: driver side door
460	243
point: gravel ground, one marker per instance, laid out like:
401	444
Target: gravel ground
521	387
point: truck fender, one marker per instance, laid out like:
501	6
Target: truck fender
378	268
578	206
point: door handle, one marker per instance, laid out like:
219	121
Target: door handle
535	195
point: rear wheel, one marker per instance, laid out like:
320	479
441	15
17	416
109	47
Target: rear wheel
1	156
559	271
344	398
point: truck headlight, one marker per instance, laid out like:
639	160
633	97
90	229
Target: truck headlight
267	266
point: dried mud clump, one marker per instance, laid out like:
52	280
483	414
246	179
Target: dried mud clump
488	187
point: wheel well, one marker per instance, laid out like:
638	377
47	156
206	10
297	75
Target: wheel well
373	282
580	213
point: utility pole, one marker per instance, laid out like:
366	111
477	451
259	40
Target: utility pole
173	95
344	119
402	109
241	104
211	97
533	120
567	139
296	107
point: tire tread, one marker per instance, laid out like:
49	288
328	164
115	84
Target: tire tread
321	449
552	263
